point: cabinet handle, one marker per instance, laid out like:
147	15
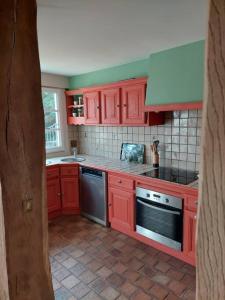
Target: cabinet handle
120	181
195	217
110	204
125	105
98	107
196	203
58	194
118	105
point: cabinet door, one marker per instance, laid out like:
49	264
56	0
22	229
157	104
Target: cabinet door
133	98
189	233
70	193
110	106
121	209
92	108
53	195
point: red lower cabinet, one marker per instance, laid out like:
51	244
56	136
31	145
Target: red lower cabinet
62	190
53	195
189	234
121	209
70	194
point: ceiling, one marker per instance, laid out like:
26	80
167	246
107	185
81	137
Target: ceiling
79	36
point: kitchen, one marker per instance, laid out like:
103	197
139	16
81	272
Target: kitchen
113	177
123	128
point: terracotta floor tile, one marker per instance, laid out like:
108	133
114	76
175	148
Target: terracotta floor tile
80	290
70	281
115	280
91	262
61	256
176	287
172	296
78	269
62	294
109	293
77	253
92	296
159	292
119	268
162	266
87	276
122	297
104	272
131	275
84	259
140	295
188	295
174	274
56	284
55	266
98	285
161	279
135	264
128	289
144	282
69	262
61	274
94	265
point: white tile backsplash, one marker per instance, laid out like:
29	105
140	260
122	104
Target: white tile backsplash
179	139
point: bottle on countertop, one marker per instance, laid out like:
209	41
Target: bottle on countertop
155	154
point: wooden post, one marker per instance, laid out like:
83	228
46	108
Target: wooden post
24	262
211	224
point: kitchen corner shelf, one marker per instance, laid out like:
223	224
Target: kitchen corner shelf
75	107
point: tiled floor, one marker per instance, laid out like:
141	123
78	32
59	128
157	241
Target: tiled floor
90	262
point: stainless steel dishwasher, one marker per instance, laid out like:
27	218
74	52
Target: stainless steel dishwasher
93	195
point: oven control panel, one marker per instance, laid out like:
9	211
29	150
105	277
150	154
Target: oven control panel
159	197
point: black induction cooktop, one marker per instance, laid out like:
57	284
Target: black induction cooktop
173	175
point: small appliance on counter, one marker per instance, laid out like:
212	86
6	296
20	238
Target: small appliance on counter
132	153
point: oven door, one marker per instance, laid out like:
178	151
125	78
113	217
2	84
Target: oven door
159	222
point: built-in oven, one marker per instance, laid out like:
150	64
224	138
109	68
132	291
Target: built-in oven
159	217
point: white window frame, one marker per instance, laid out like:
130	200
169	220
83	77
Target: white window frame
63	149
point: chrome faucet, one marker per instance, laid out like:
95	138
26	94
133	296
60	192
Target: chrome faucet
74	151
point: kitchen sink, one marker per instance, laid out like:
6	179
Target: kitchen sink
73	159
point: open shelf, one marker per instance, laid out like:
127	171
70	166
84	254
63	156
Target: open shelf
75	108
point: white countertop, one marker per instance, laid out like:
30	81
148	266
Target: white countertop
105	163
109	165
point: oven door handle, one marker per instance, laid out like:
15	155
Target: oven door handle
158	208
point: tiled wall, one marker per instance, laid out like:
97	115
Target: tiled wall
179	139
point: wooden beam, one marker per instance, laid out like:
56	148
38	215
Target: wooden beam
211	224
24	258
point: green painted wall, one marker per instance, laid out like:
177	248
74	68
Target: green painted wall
176	75
127	71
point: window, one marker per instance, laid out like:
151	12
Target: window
54	120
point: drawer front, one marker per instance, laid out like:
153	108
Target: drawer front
69	171
191	203
52	173
122	182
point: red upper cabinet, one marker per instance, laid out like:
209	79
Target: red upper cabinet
133	99
92	108
110	106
